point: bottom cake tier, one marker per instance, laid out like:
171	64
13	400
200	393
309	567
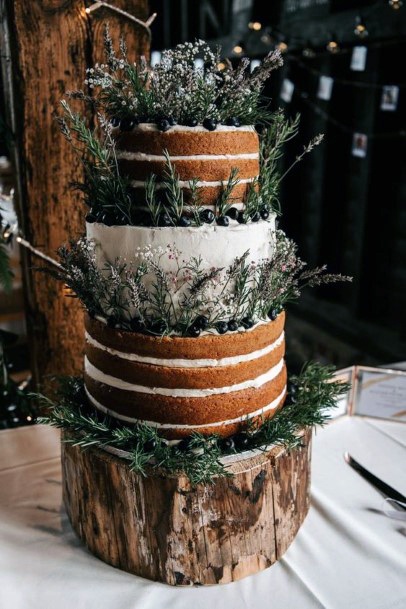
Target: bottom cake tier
209	384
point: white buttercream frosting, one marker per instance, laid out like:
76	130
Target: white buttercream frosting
186	183
183	128
99	376
257	413
215	246
187	363
143	156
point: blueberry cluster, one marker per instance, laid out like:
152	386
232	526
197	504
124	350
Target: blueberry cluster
199	324
166	122
114	217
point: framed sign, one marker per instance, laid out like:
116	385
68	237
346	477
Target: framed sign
375	392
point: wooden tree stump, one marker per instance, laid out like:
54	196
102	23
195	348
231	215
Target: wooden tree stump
161	528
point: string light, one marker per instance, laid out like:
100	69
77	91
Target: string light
395	4
255	25
100	3
238	49
282	46
360	29
333	46
221	66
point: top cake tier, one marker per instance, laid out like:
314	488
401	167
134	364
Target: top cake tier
208	157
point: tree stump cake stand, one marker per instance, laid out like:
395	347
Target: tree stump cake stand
162	528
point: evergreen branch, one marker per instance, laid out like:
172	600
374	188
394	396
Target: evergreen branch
317	390
223	204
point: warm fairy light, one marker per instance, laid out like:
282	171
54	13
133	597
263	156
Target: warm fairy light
68	292
360	29
282	46
237	49
255	25
221	66
29	418
395	4
333	47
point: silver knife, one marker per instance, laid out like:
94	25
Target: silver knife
379	484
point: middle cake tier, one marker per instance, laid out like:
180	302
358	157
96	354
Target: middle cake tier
210	384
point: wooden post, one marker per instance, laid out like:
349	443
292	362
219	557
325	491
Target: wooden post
46	48
161	528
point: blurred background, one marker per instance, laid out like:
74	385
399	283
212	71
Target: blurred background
344	204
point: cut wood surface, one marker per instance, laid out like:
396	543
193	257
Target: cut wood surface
161	528
49	46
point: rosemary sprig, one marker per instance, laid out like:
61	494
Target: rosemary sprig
224	202
153	202
173	191
316	392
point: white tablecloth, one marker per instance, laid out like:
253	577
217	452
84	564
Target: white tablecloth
347	555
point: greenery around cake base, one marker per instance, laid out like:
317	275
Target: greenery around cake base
310	396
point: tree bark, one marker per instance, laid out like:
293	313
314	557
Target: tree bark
48	46
161	528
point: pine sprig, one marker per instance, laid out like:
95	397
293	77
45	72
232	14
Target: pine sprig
317	391
173	191
224	202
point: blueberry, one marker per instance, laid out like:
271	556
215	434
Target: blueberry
164	220
163	124
255	216
241	219
273	314
264	214
184	221
221	327
183	444
227	444
90	218
292	388
137	325
172	121
232	325
247	322
233	121
191	122
104	217
232	213
242	440
223	221
210	124
201	322
112	321
290	399
149	446
121	220
194	330
128	123
143	219
207	216
114	121
158	327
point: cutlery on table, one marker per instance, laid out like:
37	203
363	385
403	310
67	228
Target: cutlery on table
392	496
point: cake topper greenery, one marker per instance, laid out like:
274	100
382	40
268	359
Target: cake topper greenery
144	297
311	395
174	91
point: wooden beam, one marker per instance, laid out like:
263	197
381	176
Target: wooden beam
48	46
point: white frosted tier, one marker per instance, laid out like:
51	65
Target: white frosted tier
216	246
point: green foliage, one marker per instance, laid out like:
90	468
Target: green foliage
104	188
175	87
120	291
316	392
